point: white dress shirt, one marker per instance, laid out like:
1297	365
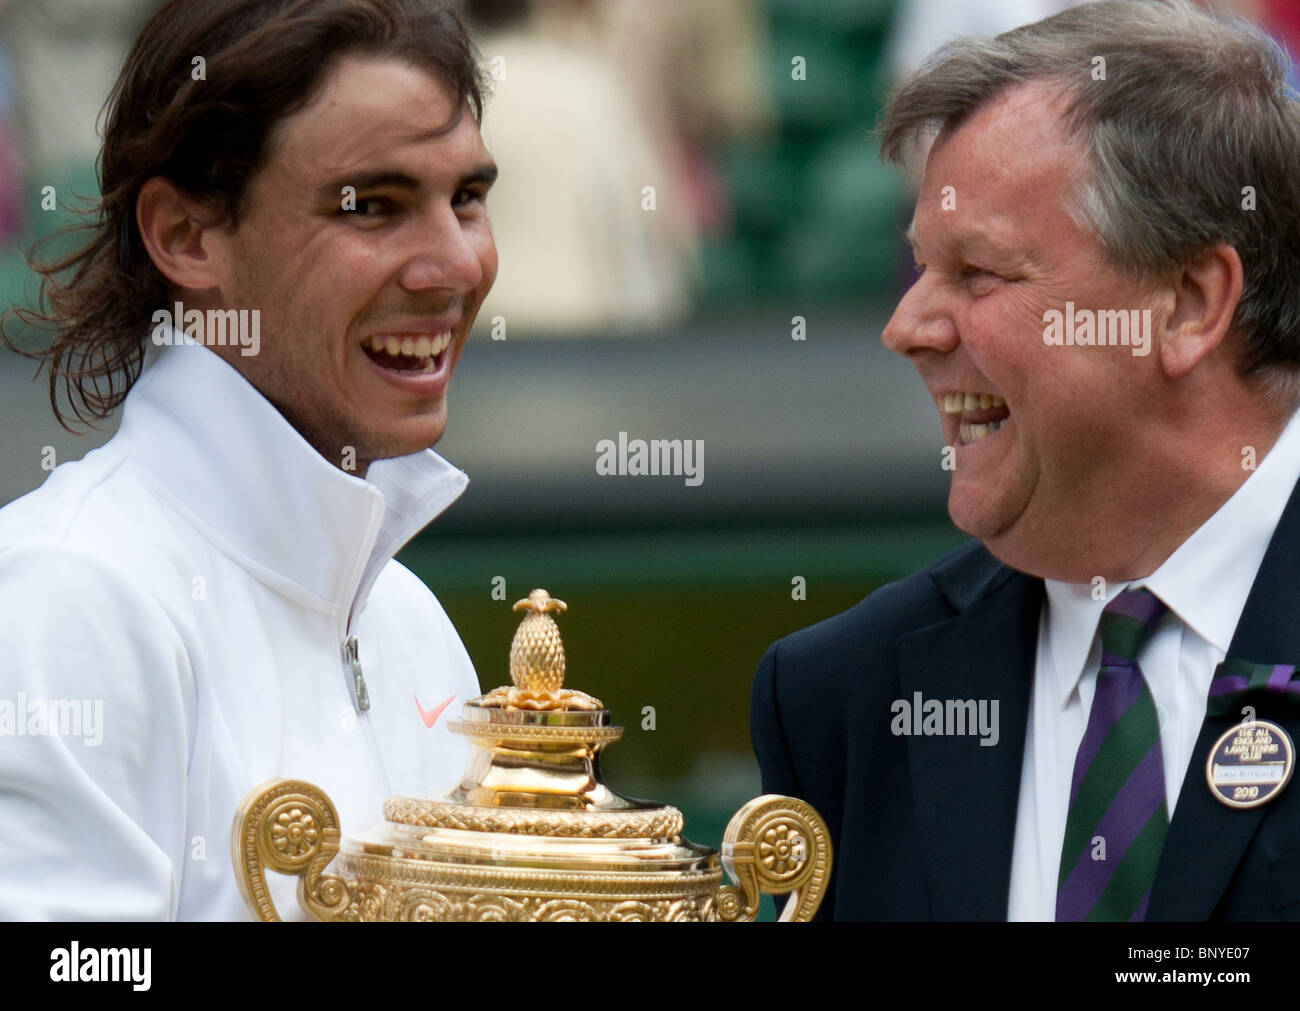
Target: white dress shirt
190	586
1205	583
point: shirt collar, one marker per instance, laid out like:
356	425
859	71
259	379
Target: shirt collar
229	462
1207	579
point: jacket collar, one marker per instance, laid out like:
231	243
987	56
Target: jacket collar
970	574
228	462
984	651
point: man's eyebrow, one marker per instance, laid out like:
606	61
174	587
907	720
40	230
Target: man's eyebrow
983	244
486	173
331	190
963	242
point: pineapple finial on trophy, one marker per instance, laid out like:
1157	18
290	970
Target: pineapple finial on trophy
536	652
537	662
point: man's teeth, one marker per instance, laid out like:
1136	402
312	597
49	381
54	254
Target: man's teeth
963	402
973	433
955	403
411	347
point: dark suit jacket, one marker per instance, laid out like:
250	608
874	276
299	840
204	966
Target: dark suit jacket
923	827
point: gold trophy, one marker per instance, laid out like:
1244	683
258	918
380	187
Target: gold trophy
532	832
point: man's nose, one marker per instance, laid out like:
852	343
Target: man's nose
444	256
920	322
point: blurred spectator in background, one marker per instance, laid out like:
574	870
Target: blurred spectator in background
1282	19
696	70
600	117
63	57
11	168
922	26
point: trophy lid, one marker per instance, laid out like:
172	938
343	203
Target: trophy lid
534	767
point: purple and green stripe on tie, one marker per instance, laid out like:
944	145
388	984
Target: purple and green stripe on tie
1118	817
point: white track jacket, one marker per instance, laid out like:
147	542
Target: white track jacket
176	609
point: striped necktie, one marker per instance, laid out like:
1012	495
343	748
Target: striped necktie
1118	816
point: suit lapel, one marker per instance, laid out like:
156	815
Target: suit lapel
1207	839
966	795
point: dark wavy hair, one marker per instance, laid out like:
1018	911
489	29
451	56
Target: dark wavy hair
263	60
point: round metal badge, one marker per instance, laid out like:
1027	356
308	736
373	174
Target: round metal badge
1250	764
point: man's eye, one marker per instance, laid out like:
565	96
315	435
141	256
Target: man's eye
464	198
368	207
979	275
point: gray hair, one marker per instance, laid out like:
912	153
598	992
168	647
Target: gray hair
1185	119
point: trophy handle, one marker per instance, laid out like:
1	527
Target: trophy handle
775	845
291	827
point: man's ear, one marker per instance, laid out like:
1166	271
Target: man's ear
182	235
1206	294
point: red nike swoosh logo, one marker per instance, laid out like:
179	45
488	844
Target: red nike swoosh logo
430	716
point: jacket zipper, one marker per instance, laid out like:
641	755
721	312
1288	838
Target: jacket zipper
361	702
351	657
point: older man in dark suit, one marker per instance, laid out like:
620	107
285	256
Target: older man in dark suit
1088	711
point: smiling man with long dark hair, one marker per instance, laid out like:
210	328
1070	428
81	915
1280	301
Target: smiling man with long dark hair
291	249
